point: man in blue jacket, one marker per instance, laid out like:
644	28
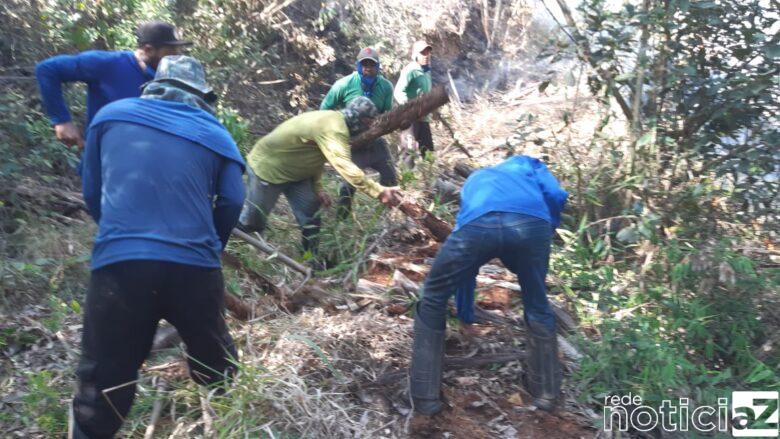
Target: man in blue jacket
109	76
162	179
508	211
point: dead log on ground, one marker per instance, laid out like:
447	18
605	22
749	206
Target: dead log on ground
439	228
371	289
463	169
405	284
447	191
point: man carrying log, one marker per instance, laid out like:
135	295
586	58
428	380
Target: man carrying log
415	80
365	81
508	211
109	76
162	178
291	160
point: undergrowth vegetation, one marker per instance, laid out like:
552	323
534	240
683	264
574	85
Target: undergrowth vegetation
666	255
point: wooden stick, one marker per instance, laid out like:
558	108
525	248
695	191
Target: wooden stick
454	89
263	246
156	410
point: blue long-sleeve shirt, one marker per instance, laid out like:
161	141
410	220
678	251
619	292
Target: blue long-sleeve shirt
109	76
520	184
170	192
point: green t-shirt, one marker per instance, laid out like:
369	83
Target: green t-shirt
297	150
412	82
349	87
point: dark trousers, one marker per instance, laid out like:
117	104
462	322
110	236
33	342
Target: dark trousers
522	242
262	197
422	134
376	156
125	301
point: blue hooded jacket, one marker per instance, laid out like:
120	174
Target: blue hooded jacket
163	181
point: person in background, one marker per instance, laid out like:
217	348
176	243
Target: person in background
365	81
508	211
291	160
109	75
414	80
162	178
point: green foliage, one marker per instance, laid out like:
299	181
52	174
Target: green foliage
709	87
43	403
237	126
680	332
27	142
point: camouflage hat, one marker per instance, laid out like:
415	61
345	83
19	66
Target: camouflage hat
356	110
363	107
184	70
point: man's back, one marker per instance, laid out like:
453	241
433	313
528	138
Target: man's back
520	184
156	197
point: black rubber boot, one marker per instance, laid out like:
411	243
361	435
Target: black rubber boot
74	431
543	378
426	370
311	244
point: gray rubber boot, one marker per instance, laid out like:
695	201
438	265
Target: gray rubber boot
543	378
426	370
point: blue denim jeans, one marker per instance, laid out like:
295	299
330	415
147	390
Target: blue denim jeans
521	242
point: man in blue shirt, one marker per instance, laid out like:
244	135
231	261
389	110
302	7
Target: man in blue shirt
109	76
162	179
508	211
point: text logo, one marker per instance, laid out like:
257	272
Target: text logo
754	414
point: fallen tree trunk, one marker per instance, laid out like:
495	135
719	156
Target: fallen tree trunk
240	309
403	116
439	228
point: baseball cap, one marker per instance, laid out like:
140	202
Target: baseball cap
368	53
158	33
419	46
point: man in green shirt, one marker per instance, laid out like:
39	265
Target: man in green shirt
414	80
368	82
291	160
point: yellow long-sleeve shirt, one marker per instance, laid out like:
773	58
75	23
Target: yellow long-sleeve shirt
298	149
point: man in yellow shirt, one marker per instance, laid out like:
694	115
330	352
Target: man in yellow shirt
291	160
